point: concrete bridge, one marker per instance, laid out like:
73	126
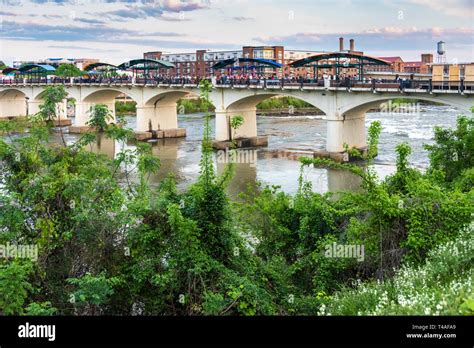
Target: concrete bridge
345	108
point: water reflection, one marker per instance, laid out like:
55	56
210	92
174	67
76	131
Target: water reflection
244	178
167	150
181	158
104	146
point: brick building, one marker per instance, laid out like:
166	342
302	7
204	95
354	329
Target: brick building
196	63
396	65
419	67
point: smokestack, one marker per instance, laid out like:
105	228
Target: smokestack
341	44
351	43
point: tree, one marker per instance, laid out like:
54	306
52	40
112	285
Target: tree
100	115
68	70
453	150
53	95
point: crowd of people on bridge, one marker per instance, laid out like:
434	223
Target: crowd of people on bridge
241	79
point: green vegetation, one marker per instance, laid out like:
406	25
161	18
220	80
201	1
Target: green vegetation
100	115
68	70
184	106
401	101
109	244
189	106
194	105
452	154
49	109
124	108
282	103
443	285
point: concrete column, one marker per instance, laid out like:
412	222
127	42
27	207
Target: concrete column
158	117
222	126
34	107
247	130
62	110
81	113
349	129
12	107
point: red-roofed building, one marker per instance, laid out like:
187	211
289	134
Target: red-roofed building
396	65
419	67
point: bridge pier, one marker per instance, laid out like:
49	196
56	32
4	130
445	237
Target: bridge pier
82	114
33	107
158	121
62	120
156	117
246	133
247	130
348	129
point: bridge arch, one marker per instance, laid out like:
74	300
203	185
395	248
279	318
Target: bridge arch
159	109
107	96
13	102
12	93
367	103
238	101
245	105
346	125
167	97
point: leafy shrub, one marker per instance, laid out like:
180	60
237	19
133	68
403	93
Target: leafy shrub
453	150
443	285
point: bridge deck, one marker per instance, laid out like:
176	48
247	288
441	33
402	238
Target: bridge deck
306	87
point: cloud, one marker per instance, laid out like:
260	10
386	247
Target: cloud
9	14
57	2
34	31
388	38
166	5
157	9
458	8
82	48
242	18
182	6
99	33
89	20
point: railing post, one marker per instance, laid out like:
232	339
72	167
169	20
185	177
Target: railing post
430	85
461	86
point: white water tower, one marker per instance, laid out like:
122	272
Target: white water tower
441	51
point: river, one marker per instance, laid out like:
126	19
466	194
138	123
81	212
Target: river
181	155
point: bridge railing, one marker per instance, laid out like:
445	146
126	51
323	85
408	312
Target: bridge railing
402	85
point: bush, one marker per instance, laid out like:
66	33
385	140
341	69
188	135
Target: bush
453	150
282	103
443	285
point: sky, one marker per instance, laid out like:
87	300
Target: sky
115	31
